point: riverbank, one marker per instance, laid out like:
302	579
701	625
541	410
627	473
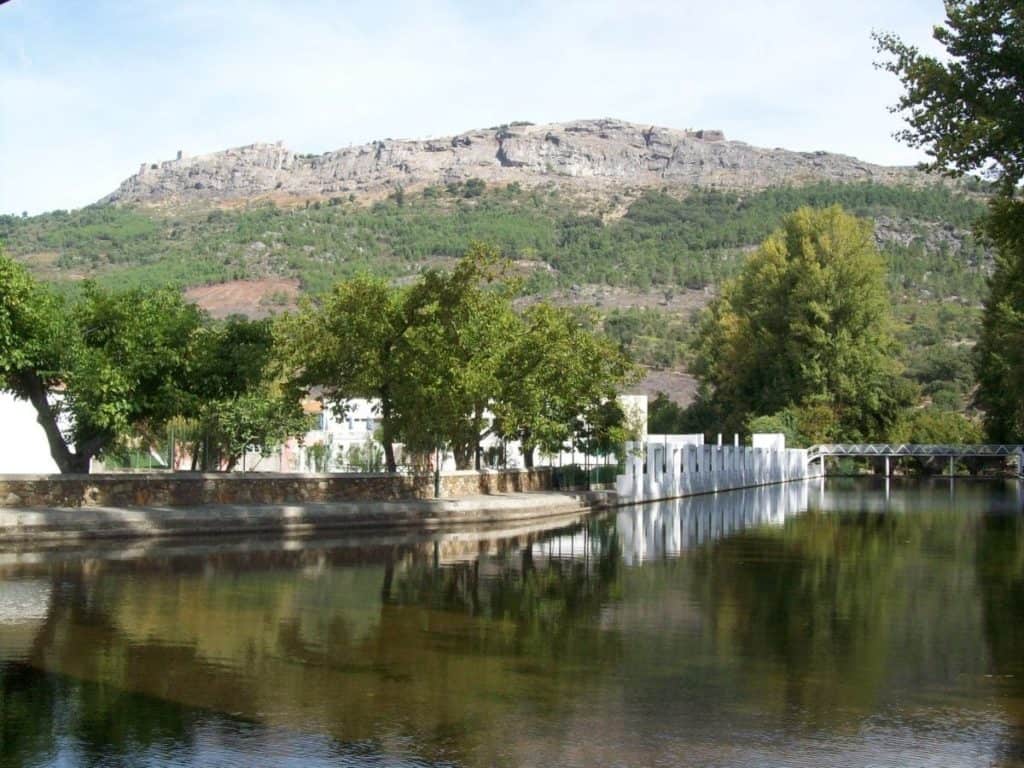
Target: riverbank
62	524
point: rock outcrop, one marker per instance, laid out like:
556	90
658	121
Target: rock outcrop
598	155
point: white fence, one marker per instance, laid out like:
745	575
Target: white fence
672	466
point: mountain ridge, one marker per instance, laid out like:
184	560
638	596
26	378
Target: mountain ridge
598	155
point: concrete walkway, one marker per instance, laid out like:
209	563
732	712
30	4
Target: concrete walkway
55	525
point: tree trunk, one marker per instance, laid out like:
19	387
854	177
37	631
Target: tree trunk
386	434
528	458
67	462
478	424
463	455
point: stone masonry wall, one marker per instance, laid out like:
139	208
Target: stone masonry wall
194	489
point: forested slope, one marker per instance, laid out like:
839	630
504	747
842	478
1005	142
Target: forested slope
642	241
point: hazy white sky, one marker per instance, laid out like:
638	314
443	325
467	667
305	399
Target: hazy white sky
89	90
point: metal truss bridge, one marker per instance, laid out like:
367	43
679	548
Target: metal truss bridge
897	450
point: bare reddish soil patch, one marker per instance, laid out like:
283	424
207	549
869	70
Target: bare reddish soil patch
679	386
253	298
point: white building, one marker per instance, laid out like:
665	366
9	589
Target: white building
350	441
23	445
347	442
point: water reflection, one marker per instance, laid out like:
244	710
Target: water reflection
785	625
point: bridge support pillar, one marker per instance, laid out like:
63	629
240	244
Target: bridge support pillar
887	466
952	470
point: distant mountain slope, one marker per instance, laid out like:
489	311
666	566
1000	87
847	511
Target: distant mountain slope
600	156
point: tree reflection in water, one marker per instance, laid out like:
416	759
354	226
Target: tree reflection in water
787	624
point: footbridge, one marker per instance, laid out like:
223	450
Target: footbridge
889	451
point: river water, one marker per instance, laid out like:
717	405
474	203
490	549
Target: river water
849	624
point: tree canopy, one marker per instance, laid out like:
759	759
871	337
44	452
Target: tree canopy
966	113
349	346
806	325
999	355
111	362
239	402
118	366
450	361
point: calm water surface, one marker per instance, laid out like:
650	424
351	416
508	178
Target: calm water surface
848	625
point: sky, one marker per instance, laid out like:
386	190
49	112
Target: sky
89	90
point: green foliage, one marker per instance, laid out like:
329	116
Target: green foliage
32	328
130	362
122	365
440	353
803	426
651	337
662	241
368	457
807	324
349	345
554	372
235	397
452	360
965	110
999	356
665	417
934	426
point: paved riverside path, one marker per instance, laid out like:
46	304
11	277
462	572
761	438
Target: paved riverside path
74	524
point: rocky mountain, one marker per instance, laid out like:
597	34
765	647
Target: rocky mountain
592	155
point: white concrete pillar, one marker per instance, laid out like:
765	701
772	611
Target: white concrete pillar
675	470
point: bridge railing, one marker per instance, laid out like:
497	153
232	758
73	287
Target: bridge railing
914	449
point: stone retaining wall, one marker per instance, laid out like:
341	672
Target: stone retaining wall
195	489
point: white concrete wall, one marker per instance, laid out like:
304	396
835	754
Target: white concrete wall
362	417
23	446
769	441
672	467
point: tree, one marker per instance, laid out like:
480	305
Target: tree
966	113
349	347
34	353
554	373
128	372
239	403
665	416
461	326
806	323
803	426
114	362
999	355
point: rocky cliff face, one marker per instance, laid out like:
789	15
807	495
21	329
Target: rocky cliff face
597	155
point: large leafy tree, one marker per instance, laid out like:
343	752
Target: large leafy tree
238	403
999	356
966	112
35	350
449	361
349	345
114	363
556	378
806	325
461	326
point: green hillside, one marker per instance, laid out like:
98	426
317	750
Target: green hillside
644	241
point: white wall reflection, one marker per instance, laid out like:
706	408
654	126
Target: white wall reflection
668	528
